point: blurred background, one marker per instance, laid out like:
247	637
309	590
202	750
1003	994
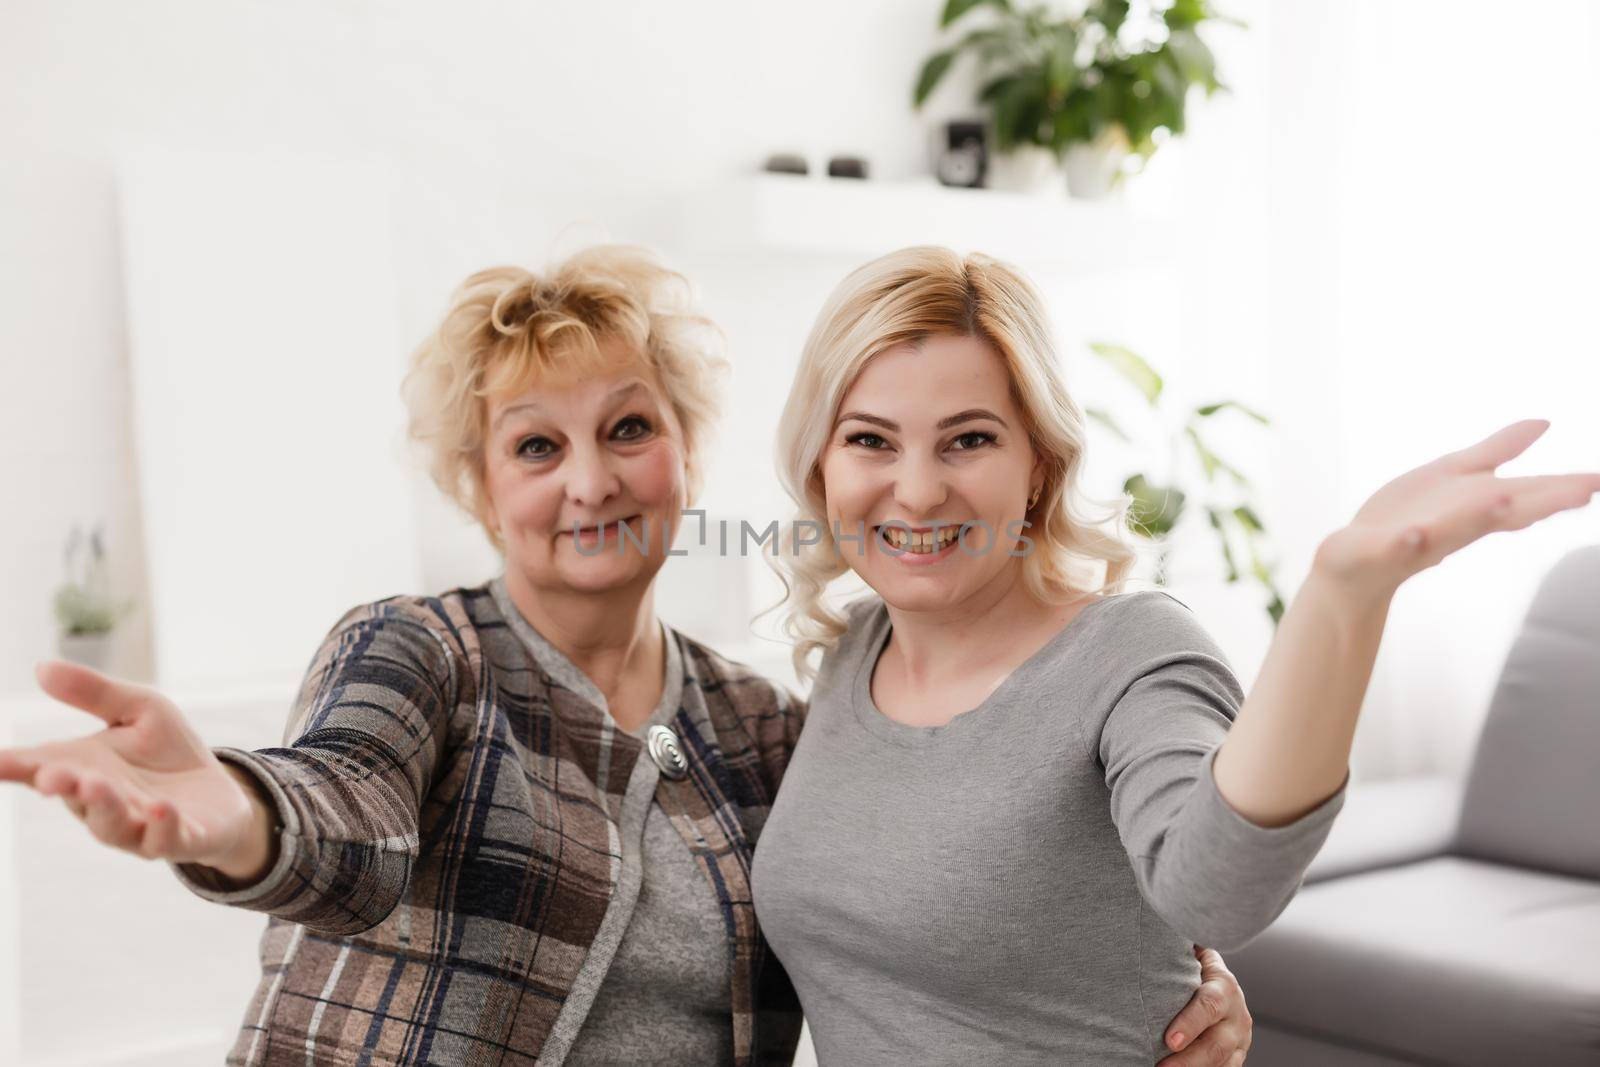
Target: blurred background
226	224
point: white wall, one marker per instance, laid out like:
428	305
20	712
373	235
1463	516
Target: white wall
511	132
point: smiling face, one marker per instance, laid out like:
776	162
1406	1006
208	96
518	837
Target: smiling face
928	438
601	449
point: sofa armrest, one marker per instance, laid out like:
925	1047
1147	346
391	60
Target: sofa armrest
1388	823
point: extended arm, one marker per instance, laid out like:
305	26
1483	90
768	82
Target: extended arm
1289	748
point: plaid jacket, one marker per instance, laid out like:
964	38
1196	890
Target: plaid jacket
447	856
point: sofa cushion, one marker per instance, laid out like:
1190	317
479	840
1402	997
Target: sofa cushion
1533	791
1387	823
1445	960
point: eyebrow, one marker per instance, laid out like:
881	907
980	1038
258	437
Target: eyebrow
959	417
615	395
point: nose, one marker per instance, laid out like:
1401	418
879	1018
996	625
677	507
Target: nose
919	486
590	479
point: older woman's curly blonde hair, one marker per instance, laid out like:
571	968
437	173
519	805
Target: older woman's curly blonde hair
508	328
902	298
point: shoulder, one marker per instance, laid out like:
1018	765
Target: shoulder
1152	642
861	610
757	721
437	631
1149	622
741	689
1130	641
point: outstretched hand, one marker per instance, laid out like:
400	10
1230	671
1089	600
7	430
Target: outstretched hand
1441	507
146	783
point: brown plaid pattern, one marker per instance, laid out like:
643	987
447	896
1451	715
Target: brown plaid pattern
447	853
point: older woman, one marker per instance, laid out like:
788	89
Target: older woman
513	822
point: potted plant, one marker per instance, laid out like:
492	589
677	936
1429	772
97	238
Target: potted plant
1090	92
1225	494
84	606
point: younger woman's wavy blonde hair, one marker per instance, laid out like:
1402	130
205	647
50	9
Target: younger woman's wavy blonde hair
508	328
903	298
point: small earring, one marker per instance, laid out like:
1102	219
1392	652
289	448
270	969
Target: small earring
1034	499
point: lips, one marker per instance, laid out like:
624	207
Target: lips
611	526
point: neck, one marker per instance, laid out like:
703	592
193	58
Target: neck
950	642
605	635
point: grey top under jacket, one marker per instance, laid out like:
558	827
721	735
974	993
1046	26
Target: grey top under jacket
659	976
1024	884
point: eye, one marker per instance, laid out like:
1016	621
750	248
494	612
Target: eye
631	428
972	439
535	447
866	440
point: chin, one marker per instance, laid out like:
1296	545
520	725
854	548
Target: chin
599	574
907	593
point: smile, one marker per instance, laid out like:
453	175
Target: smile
926	542
593	533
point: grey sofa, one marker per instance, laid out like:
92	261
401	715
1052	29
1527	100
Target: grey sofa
1458	925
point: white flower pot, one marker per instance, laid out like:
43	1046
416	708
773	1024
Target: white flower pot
90	650
1093	167
1026	169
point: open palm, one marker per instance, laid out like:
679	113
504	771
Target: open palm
146	783
1424	515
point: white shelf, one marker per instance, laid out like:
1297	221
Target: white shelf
857	219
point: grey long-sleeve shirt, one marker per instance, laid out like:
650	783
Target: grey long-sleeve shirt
1025	883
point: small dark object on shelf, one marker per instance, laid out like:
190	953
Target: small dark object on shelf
786	163
847	167
963	157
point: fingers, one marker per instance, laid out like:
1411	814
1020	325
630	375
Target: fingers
1219	1047
1205	1009
165	833
1524	501
113	816
116	814
18	765
89	690
1509	504
1211	964
1502	445
60	780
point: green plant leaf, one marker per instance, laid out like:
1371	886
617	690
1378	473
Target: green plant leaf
1213	462
992	89
1186	14
1248	519
1104	418
1275	606
1209	463
1018	109
1155	509
1207	410
1061	68
933	71
1194	59
954	9
1217	524
1111	13
1131	366
990	43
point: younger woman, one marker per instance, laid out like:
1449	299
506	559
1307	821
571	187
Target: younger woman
1022	795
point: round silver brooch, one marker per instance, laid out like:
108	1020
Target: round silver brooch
667	752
